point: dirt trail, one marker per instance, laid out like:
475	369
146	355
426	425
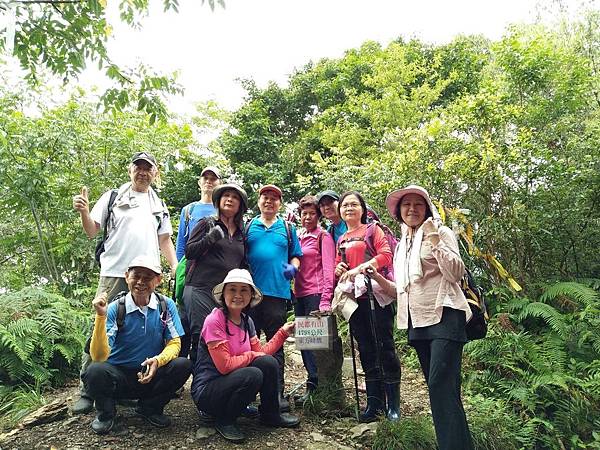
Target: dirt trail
315	433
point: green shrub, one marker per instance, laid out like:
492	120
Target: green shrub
42	335
17	402
410	433
492	424
541	359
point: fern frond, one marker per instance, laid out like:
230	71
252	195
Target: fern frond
578	292
594	283
548	313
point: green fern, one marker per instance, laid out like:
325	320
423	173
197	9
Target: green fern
583	295
41	337
545	365
548	313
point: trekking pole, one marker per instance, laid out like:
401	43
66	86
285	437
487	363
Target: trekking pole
373	321
353	350
173	282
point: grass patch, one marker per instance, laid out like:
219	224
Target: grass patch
410	433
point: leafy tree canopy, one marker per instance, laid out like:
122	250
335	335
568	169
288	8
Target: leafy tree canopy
506	129
64	36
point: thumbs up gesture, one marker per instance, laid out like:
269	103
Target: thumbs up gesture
81	201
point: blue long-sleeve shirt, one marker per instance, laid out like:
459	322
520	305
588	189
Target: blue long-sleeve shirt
197	210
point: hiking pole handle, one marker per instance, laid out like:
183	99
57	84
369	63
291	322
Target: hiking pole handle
343	254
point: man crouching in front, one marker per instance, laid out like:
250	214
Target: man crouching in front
134	346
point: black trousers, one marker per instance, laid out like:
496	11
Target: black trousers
303	307
227	396
441	361
360	324
269	316
105	382
198	303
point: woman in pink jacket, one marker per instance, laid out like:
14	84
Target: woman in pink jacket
313	286
232	365
431	305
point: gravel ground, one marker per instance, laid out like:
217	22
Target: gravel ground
318	433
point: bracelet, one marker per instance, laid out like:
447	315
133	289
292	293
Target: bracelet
433	233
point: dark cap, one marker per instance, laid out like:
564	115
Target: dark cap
144	156
329	193
271	188
212	169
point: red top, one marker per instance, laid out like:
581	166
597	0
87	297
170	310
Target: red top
356	248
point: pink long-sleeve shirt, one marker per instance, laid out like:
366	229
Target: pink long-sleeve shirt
442	269
317	266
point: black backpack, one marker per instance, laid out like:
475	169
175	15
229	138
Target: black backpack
120	297
162	307
477	327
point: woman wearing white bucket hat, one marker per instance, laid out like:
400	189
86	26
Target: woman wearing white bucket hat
232	366
431	305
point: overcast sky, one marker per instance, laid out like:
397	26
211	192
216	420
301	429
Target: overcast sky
266	39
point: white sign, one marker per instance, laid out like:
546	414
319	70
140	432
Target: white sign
313	333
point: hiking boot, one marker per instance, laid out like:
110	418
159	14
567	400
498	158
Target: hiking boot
250	412
179	392
231	432
301	399
375	402
83	406
127	402
206	418
392	393
102	426
284	405
283	420
159	420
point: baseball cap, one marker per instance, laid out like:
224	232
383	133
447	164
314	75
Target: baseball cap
272	188
328	193
144	156
146	262
212	169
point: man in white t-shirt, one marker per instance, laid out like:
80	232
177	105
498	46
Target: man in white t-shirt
139	224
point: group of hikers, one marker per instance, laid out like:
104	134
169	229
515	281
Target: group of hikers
238	279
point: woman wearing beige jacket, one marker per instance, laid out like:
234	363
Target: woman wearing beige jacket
431	305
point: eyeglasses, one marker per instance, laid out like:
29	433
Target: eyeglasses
350	205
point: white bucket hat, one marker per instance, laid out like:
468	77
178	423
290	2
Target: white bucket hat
237	276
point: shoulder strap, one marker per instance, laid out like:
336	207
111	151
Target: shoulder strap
288	232
187	212
369	237
247	226
162	304
120	310
111	203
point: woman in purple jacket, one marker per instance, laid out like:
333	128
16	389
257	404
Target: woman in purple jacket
314	283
